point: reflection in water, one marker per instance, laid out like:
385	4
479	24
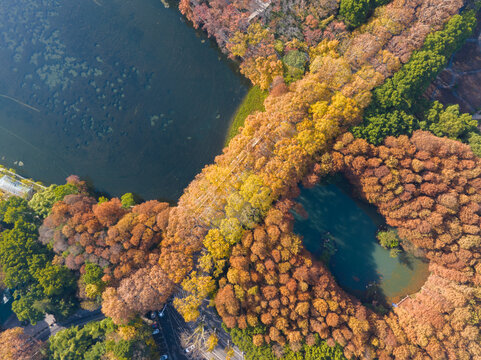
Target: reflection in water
122	92
347	230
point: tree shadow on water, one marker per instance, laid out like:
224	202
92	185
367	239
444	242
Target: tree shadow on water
406	260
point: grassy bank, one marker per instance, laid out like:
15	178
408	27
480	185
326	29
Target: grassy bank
254	101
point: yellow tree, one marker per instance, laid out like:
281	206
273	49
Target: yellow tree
212	342
262	70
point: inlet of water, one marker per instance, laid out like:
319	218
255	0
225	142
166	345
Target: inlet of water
342	231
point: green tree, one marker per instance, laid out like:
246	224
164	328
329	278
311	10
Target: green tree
388	239
448	122
56	280
70	344
295	64
96	352
21	255
25	307
42	202
102	339
354	12
92	279
102	199
402	90
377	127
127	200
15	208
122	349
93	273
475	143
453	36
40	287
405	87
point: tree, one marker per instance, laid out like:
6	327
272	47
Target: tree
211	342
56	280
16	345
388	239
15	208
103	339
376	128
127	200
354	12
92	281
39	285
29	306
116	308
70	343
475	143
262	70
93	274
295	62
448	122
43	201
402	90
108	213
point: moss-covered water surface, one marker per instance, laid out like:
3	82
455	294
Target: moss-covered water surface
342	232
122	92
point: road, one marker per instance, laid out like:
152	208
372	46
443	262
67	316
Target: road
49	327
173	325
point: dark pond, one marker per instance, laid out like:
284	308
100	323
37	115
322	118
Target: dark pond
122	92
356	259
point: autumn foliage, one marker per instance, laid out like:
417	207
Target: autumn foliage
120	241
273	282
16	345
277	148
428	188
212	236
123	242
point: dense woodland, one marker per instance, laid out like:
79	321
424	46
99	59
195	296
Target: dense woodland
345	82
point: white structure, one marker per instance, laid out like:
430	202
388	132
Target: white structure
14	187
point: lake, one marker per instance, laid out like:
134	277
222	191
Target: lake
357	260
122	93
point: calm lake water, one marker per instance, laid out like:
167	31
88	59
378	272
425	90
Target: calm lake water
120	92
357	259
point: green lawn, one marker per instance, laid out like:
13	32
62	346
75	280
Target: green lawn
254	101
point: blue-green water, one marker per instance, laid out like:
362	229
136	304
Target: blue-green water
5	311
357	259
121	92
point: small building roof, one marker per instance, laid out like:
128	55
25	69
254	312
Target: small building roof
14	187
